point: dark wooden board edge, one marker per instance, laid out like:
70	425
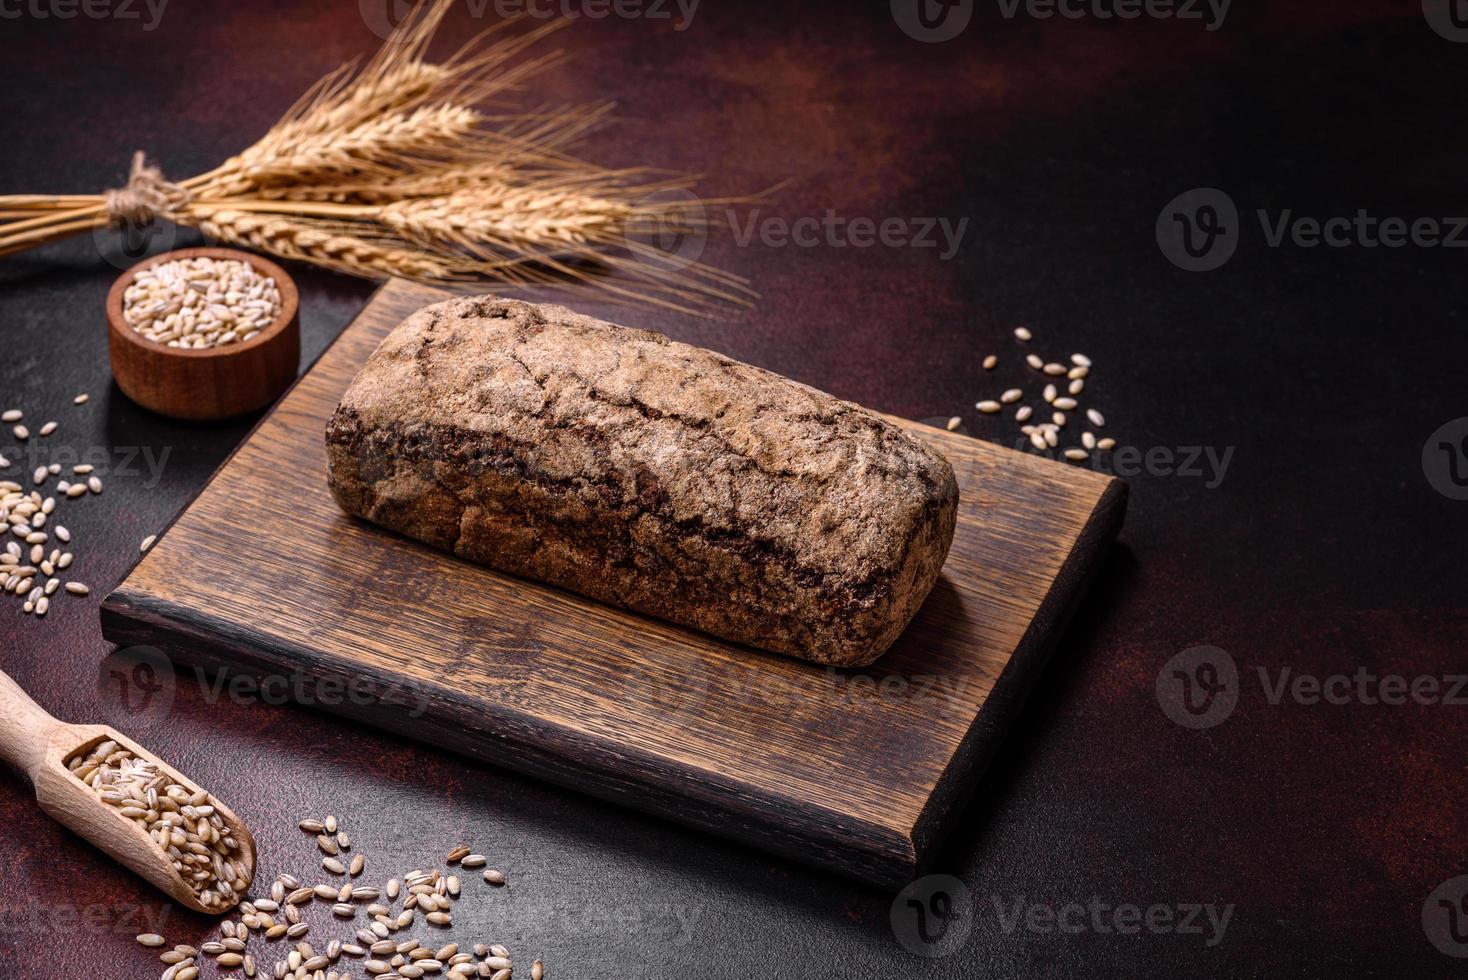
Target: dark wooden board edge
956	786
510	738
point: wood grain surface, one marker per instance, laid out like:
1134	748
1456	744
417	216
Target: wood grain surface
856	771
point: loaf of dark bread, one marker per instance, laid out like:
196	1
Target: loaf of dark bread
645	473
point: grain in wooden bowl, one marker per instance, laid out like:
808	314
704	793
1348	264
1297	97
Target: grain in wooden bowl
207	374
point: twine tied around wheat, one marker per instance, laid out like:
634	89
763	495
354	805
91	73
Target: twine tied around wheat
391	169
145	197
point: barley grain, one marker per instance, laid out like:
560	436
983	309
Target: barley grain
1023	333
988	407
1023	414
48	428
81	399
953	423
990	362
148	542
1035	361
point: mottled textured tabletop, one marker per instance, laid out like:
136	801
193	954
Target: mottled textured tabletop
1246	758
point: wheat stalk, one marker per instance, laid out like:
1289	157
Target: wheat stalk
392	168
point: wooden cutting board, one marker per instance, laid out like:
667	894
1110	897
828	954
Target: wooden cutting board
859	771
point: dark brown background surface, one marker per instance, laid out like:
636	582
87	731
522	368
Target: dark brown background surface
1323	549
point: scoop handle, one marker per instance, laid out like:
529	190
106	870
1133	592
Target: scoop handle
25	727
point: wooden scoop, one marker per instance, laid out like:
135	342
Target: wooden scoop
41	746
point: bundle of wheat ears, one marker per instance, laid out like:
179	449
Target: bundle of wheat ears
390	169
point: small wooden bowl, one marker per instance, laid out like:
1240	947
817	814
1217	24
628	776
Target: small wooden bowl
215	382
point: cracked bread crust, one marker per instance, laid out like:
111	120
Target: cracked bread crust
646	473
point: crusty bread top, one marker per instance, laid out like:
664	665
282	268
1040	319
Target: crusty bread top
728	447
